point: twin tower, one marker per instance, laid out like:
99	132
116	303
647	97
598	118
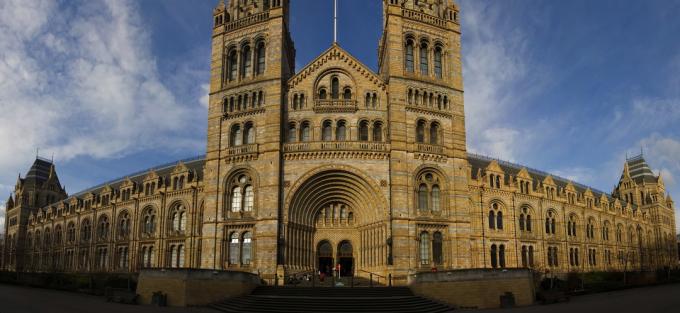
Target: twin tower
326	165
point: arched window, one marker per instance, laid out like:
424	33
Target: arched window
438	62
292	132
375	101
492	219
236	137
422	197
71	233
363	131
249	137
409	56
249	199
524	256
85	231
340	131
377	131
232	65
327	132
123	225
410	96
148	222
501	255
103	228
322	94
261	52
305	132
57	236
495	210
494	256
420	131
550	223
571	226
424	59
246	250
424	248
368	99
525	219
434	133
178	218
347	94
435	198
246	60
233	249
335	88
437	253
236	199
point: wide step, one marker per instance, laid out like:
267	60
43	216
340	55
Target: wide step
331	300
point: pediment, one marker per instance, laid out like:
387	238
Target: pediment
180	168
549	181
524	174
335	57
494	167
570	187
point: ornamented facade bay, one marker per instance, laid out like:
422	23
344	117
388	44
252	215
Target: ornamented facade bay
338	164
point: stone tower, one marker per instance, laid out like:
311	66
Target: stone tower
420	60
38	189
639	186
252	58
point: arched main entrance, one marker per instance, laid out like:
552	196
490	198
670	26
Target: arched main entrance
335	216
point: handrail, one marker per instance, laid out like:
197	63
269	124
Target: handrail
376	274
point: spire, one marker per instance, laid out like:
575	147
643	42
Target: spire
335	21
626	170
10	203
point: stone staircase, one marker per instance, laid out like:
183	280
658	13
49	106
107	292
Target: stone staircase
332	300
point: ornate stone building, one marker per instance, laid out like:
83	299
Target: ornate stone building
338	164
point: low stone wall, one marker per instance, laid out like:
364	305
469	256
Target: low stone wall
476	288
192	287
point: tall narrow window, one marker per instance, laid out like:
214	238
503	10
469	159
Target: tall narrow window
260	58
327	131
435	198
246	249
501	255
434	133
499	220
335	88
422	197
424	248
236	137
377	131
305	132
246	60
233	69
363	131
340	131
424	59
494	256
420	132
249	137
292	132
437	253
524	256
250	199
236	199
438	62
409	56
233	249
492	220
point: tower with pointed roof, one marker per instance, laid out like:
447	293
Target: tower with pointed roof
40	187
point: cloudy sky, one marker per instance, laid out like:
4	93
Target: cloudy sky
112	87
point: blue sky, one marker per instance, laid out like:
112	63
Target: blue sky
113	87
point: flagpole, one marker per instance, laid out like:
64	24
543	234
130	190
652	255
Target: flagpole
335	21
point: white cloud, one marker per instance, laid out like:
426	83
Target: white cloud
498	142
206	95
79	79
2	217
580	175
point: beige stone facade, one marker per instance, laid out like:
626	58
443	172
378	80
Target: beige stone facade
338	164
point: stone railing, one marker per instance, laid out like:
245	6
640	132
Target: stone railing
243	149
335	146
430	148
246	21
335	106
423	17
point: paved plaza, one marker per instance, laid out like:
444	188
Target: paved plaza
658	299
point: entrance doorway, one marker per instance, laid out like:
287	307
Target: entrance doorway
345	258
325	255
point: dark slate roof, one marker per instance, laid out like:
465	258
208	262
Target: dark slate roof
640	171
39	171
193	164
481	162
